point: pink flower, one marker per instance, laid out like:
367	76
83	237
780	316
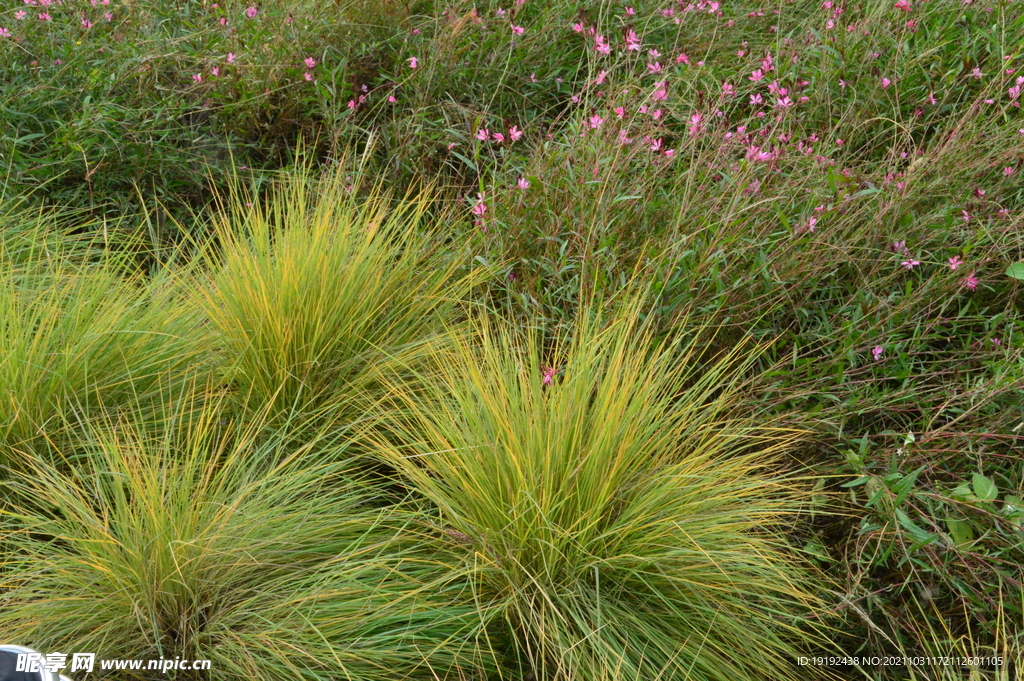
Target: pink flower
578	27
654	68
632	41
523	183
251	12
900	247
600	78
630	12
216	71
45	16
756	99
967	216
876	352
839	142
549	373
683	59
20	14
497	137
757	75
620	112
231	58
656	145
309	62
413	62
479	209
623	138
728	90
223	21
903	5
482	134
197	77
654	53
910	264
391	99
601	46
86	23
4	33
517	30
886	83
514	133
307	75
108	16
955	262
971	282
595	122
976	73
1008	170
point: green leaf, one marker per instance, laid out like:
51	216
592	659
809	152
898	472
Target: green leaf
960	531
984	488
1016	270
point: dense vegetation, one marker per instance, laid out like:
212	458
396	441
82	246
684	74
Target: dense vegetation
549	341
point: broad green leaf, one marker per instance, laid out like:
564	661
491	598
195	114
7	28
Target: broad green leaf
960	531
1016	270
984	488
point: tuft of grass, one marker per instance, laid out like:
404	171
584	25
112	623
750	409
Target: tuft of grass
80	336
620	520
311	296
207	541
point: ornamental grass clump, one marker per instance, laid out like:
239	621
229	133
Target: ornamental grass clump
313	293
80	337
209	540
620	517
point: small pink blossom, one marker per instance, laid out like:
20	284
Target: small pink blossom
479	209
482	134
223	21
20	14
654	68
391	99
4	33
955	262
231	58
514	133
910	264
549	373
876	352
108	16
630	12
251	12
1008	170
309	62
497	137
523	183
413	62
307	75
620	112
215	70
578	27
683	59
86	23
197	77
600	77
886	83
45	16
517	30
632	41
967	216
971	282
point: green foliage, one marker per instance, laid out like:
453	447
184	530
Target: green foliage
620	521
205	541
311	296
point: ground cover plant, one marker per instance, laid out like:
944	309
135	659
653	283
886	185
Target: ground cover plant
311	257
